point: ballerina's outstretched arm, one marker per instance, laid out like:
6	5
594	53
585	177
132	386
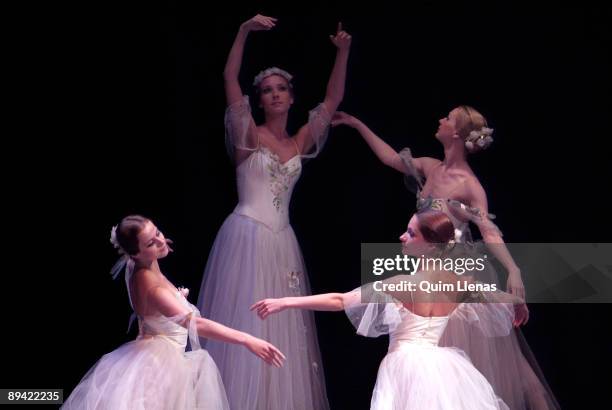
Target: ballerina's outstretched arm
324	302
165	302
385	153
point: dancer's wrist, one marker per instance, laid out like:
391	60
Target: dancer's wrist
245	338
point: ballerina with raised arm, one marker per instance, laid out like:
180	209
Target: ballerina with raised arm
449	185
256	253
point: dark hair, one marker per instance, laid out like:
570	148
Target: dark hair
127	233
436	227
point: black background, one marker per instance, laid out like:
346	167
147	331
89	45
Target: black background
119	110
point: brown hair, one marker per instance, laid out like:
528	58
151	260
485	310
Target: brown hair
436	227
127	233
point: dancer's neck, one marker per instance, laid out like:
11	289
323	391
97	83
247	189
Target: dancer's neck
277	126
149	265
454	156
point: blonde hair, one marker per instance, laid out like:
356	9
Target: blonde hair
468	120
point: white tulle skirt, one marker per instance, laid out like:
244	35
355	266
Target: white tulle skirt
151	373
427	377
249	262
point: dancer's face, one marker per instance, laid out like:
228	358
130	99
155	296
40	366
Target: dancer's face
151	243
412	240
275	95
448	126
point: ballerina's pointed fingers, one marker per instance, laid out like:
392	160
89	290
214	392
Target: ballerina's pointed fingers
270	357
278	361
274	359
267	358
255	305
279	353
278	357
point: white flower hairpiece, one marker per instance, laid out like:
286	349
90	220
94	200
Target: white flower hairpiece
272	71
481	138
115	242
458	235
124	261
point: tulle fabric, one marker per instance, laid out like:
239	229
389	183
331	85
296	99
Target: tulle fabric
413	179
241	132
506	361
416	376
250	262
416	373
318	122
154	371
377	313
256	256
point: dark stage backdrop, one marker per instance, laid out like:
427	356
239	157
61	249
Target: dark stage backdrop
130	120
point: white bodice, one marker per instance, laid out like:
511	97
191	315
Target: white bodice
417	329
265	186
162	326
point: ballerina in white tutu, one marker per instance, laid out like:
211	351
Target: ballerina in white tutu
417	373
154	371
452	187
255	253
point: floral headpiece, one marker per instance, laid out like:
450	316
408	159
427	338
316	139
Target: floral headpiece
479	138
124	262
272	71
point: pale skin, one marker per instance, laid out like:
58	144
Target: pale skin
451	178
154	295
424	306
276	98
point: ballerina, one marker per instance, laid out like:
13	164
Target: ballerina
452	187
154	371
256	253
417	373
449	185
